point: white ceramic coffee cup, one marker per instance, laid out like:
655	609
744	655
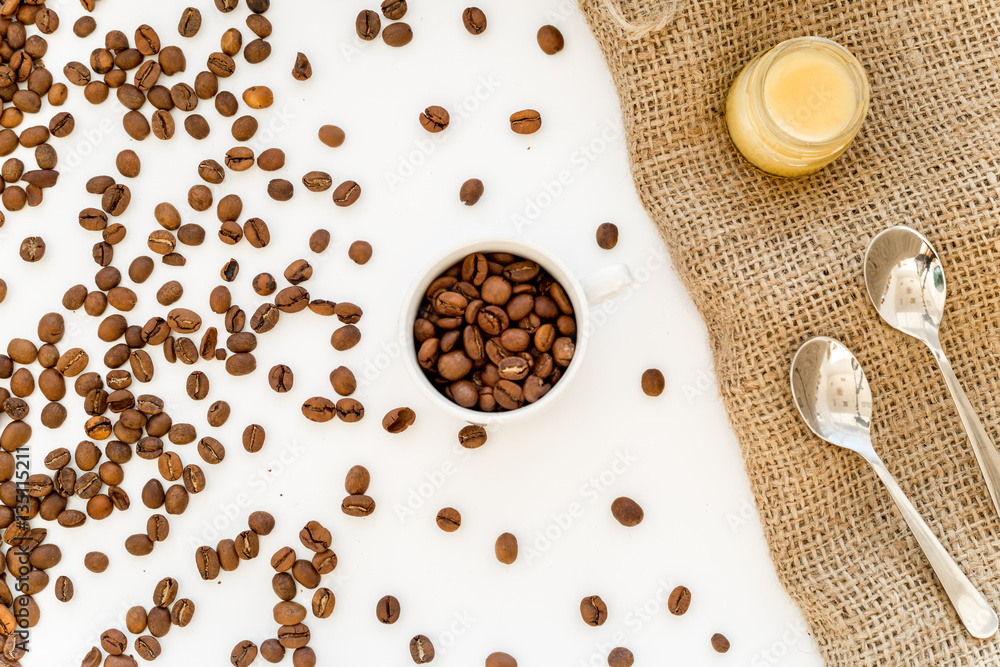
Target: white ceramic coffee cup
602	286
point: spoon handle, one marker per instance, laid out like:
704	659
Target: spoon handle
982	446
976	614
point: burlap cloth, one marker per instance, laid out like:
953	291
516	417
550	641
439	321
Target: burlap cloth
771	263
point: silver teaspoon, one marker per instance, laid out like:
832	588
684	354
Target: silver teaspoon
905	281
831	392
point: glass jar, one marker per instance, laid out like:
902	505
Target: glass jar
796	107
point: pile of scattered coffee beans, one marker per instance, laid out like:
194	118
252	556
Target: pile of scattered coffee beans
495	332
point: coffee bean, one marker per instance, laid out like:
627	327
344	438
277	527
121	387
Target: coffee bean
93	658
434	119
471	191
360	252
346	193
305	573
607	235
84	26
32	248
226	104
247	545
525	122
96	562
293	636
158	621
163	124
280	378
317	181
165	592
550	40
393	9
258	97
218	414
229	560
358	505
283	559
197	126
345	337
264	284
421	648
139	545
45	556
368	24
449	519
157	528
398	420
397	34
331	135
387	610
506	548
343	381
57	96
148	647
319	240
147	41
261	523
593	610
244	653
253	438
207	562
257	51
64	589
315	536
620	657
280	189
500	659
350	410
679	601
627	512
302	69
323	603
288	613
348	313
720	643
653	382
114	641
231	42
116	199
135	620
265	318
271	159
190	22
256	232
475	22
182	613
472	436
271	649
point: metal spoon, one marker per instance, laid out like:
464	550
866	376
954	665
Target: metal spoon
906	283
832	394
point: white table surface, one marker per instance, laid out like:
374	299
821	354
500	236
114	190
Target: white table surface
675	454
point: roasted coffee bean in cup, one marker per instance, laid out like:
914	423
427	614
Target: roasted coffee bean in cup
495	332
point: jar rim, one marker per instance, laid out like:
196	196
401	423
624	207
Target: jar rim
851	65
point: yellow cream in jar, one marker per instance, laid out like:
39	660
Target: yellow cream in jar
797	107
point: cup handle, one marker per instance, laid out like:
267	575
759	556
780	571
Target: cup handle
607	283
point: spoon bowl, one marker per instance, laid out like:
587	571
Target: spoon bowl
831	393
905	281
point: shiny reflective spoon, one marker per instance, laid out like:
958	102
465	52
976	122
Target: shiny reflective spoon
831	392
906	283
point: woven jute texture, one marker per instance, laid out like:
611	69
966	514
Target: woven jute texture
772	262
